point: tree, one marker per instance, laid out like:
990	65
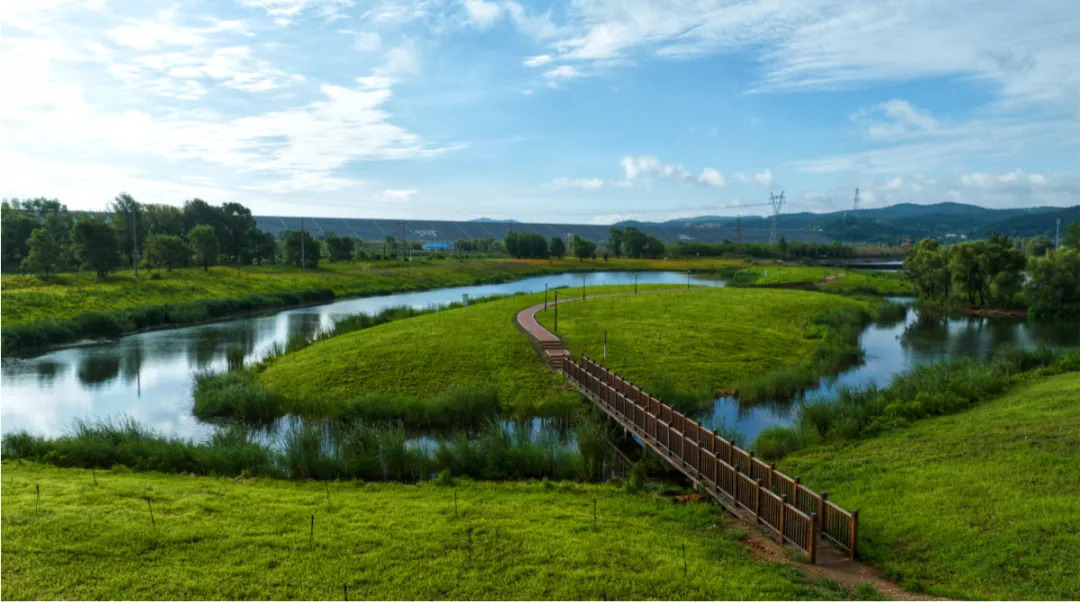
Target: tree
205	244
581	248
339	248
45	253
263	247
1037	246
1071	240
301	249
129	224
163	219
168	250
94	245
557	247
388	245
927	265
234	232
1054	284
15	229
615	241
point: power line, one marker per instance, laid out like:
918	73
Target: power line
777	203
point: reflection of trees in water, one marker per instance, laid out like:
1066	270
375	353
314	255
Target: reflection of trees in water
96	370
131	361
932	336
48	371
208	344
303	324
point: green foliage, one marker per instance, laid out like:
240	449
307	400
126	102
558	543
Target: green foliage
340	248
44	255
218	538
15	229
557	247
982	504
301	249
582	249
129	224
635	243
940	388
94	245
205	244
1071	240
526	245
981	273
167	250
235	396
1054	285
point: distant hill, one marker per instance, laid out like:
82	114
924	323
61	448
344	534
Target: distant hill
488	220
893	223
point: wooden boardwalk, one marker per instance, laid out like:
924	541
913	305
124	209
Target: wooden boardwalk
750	488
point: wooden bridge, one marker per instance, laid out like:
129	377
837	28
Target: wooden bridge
752	489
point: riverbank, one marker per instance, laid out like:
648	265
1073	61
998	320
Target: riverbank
980	504
74	534
39	314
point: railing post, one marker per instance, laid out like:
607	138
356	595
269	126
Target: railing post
750	464
795	491
772	476
821	510
811	544
757	502
854	533
735	487
783	515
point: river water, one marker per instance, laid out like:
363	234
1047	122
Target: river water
148	376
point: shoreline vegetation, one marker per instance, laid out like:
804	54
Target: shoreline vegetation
40	313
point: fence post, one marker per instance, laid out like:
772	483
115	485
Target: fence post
821	510
772	476
757	502
750	464
795	491
783	515
811	551
854	533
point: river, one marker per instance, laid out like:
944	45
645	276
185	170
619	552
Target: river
148	376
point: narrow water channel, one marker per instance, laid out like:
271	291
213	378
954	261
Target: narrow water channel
148	376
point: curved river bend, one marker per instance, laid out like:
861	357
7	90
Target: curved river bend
148	376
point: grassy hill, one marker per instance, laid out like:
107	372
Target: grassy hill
981	504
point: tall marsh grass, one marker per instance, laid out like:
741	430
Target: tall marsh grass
944	387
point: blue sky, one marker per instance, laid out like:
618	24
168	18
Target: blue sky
586	111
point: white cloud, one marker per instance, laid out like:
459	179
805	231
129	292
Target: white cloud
637	168
364	41
537	61
582	183
400	194
286	9
896	119
895	184
764	179
482	14
535	26
563	72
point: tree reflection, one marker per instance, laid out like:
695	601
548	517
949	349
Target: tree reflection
96	370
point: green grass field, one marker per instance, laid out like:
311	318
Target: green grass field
426	355
831	279
980	504
702	339
216	538
28	299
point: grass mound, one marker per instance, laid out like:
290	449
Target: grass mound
984	503
689	345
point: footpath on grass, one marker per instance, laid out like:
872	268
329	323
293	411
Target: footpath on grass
829	562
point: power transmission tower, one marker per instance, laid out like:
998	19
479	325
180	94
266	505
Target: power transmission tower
855	206
1057	234
777	203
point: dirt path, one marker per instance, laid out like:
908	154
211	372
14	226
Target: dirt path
830	564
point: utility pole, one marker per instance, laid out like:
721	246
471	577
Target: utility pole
303	250
135	242
855	206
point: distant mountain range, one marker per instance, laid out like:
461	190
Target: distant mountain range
906	220
488	220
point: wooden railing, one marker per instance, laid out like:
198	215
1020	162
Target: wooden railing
796	514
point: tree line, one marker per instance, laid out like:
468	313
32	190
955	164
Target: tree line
998	273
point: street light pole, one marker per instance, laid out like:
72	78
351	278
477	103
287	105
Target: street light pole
134	242
556	311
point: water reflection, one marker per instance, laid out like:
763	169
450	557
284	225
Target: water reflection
897	347
148	376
